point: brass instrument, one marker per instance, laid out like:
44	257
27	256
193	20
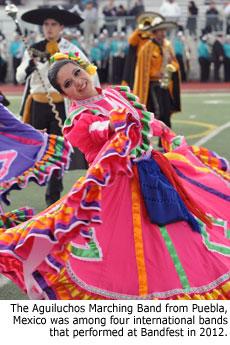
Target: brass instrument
146	19
187	59
167	68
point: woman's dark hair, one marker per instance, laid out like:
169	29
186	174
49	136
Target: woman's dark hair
193	8
54	69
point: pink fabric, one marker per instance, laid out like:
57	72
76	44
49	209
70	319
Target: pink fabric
177	259
115	239
91	143
114	236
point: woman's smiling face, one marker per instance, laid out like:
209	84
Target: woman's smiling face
75	82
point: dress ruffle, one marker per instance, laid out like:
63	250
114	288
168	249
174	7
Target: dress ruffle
211	159
54	157
15	217
61	287
147	119
61	222
53	231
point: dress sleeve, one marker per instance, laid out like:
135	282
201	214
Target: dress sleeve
150	126
157	128
146	117
87	129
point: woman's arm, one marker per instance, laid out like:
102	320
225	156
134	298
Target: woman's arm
88	131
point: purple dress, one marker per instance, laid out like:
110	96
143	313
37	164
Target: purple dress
27	155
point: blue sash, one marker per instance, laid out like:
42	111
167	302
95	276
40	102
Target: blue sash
162	201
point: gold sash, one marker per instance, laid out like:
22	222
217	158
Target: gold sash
39	97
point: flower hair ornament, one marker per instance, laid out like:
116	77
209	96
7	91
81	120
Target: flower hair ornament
89	68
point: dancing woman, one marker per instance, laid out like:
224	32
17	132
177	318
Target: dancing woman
139	224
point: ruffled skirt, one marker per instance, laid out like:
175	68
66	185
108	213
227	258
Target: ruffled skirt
98	241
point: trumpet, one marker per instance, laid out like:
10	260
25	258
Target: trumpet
167	68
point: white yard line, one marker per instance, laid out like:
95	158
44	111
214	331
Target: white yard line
224	94
212	134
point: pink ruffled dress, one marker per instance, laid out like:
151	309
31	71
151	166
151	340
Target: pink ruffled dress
114	235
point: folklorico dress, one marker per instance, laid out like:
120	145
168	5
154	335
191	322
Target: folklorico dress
26	155
138	225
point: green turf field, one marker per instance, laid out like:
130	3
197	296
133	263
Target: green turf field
204	121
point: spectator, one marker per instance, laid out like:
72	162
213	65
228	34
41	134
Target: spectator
218	56
82	4
225	12
82	44
115	53
135	11
191	24
226	7
75	38
111	8
119	48
212	17
32	38
17	51
110	13
95	55
124	49
91	19
179	51
121	11
104	46
226	46
171	10
204	59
